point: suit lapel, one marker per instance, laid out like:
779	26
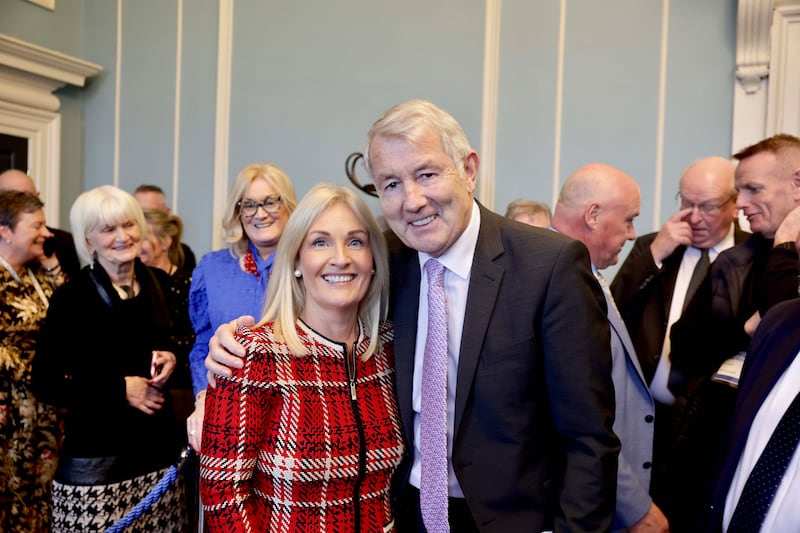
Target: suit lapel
484	285
759	376
672	265
621	331
766	371
405	308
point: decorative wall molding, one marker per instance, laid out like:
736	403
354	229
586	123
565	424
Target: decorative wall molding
117	93
491	73
752	43
662	112
223	117
49	67
559	104
176	138
769	104
29	74
783	103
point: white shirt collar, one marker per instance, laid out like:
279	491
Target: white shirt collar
721	246
458	258
724	244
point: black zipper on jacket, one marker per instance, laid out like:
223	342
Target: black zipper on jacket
362	446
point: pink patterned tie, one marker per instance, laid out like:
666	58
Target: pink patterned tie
433	416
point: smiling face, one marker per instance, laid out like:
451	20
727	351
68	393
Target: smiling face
766	195
335	260
28	236
115	243
425	199
263	229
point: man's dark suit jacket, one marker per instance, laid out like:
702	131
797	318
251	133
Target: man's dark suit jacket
533	444
643	293
773	349
752	276
64	247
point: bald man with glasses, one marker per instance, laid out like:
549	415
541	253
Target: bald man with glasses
657	280
651	286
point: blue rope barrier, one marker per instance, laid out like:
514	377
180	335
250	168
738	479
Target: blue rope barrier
161	487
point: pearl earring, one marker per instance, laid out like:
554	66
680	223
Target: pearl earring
297	273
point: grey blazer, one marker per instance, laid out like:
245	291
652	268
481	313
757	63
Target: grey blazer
635	417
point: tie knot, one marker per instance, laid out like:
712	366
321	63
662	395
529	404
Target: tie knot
435	272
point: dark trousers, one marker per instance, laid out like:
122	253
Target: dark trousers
409	515
701	428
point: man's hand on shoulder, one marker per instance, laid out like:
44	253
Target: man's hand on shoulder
224	352
675	232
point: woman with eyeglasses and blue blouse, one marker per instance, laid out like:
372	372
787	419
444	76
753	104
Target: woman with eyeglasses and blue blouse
231	282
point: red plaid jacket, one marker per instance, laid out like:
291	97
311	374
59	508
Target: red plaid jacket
285	448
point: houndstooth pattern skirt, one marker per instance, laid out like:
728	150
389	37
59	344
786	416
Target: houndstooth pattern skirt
98	507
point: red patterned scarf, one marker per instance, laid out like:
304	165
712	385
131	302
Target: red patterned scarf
250	264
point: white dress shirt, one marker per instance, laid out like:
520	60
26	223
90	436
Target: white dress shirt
458	261
784	513
690	258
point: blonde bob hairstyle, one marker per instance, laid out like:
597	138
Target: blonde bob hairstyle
286	295
232	230
102	206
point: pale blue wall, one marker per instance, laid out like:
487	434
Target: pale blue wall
526	101
307	84
699	102
308	79
198	89
99	44
58	30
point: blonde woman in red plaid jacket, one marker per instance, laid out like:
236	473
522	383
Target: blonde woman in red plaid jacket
306	436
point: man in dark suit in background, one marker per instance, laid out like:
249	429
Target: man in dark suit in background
59	250
769	382
529	398
651	286
709	340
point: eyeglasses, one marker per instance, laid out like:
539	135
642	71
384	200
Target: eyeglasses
706	208
249	208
